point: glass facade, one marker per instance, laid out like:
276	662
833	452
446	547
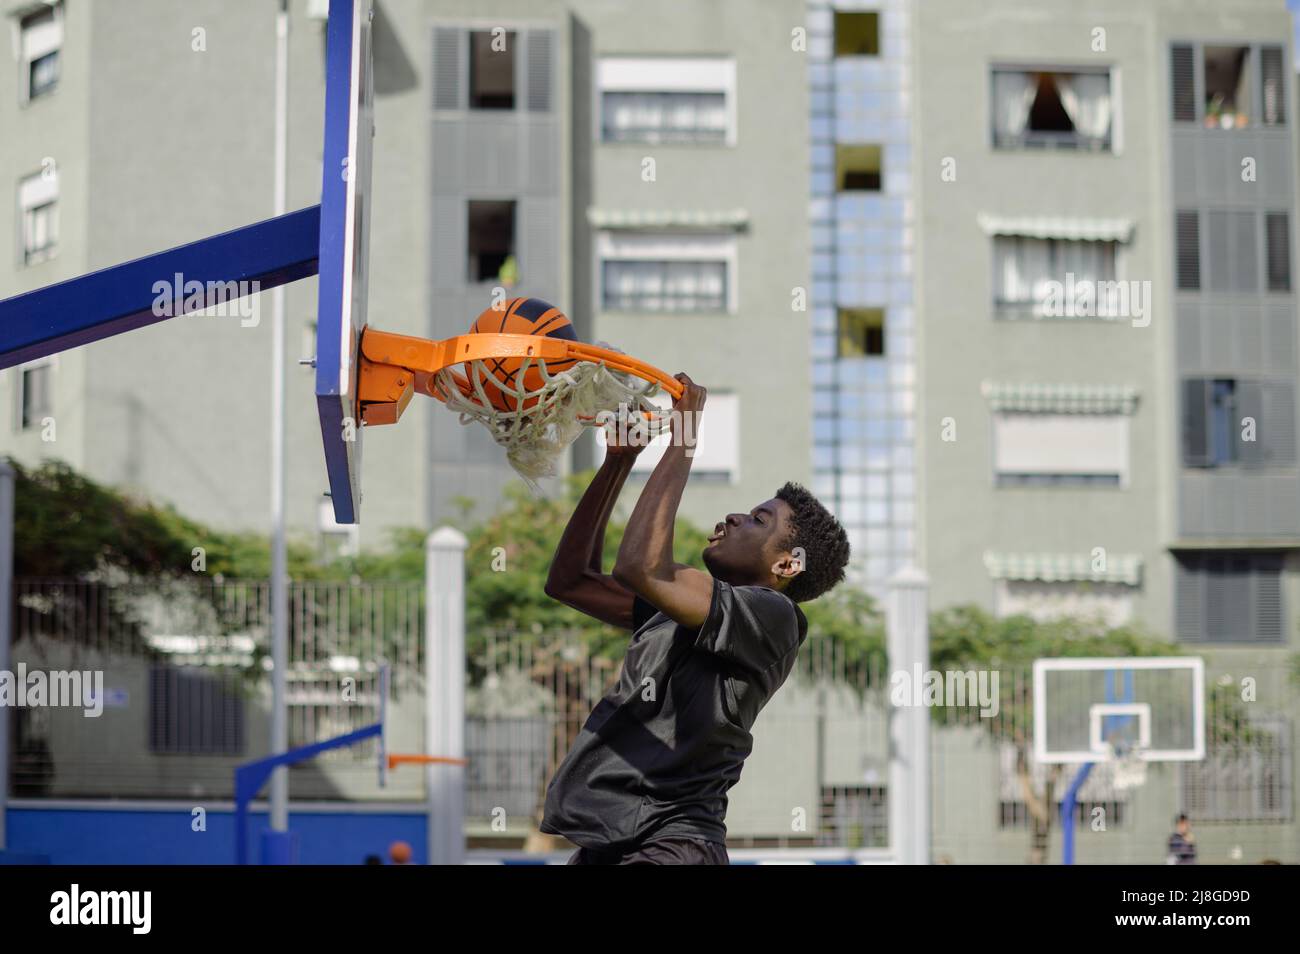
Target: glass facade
864	425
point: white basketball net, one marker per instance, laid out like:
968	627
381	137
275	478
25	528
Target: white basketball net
1128	768
535	437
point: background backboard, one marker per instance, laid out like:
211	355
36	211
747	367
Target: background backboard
1155	705
344	246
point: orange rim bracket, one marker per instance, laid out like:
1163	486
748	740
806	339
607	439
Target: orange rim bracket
406	759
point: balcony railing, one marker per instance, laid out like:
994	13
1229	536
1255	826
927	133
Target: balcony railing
1052	141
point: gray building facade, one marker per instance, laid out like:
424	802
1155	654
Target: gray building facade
1108	454
1107	328
612	161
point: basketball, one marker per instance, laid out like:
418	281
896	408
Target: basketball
399	852
520	316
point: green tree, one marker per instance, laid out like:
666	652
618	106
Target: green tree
67	526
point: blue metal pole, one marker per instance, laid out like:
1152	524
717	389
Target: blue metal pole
124	297
1071	799
1067	812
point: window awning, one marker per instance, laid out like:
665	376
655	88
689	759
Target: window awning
1064	568
726	220
1079	230
1060	398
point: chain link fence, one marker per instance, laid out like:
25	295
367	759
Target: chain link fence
186	698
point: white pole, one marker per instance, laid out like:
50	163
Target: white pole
6	605
279	560
908	631
444	692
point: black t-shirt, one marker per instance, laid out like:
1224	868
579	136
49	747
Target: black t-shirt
659	752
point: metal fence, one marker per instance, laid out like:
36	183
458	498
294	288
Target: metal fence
187	691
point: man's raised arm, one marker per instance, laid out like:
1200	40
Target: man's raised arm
645	559
576	578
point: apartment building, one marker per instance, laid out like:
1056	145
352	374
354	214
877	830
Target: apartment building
616	161
1105	207
1088	450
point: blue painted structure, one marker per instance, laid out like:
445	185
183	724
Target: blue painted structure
344	245
330	239
125	297
252	776
164	836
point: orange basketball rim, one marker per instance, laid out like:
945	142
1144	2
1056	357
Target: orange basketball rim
393	367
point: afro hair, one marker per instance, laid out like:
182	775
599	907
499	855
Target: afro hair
823	540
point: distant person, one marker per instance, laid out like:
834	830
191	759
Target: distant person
399	853
1182	843
373	860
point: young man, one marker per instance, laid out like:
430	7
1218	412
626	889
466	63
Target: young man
646	780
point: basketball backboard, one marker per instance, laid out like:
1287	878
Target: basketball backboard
1152	708
344	246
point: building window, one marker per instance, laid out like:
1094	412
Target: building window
1209	422
861	332
717	448
1237	93
1229	597
492	69
1045	600
1060	449
1029	274
1245	776
667	100
854	816
1233	251
1228	422
35	394
491	242
665	286
1227	87
1232	247
1273	84
857	34
1051	110
1277	251
194	713
40	43
667	273
1187	238
857	168
38	209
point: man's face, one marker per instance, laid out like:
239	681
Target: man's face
744	546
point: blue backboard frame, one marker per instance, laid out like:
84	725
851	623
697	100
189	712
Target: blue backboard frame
344	246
